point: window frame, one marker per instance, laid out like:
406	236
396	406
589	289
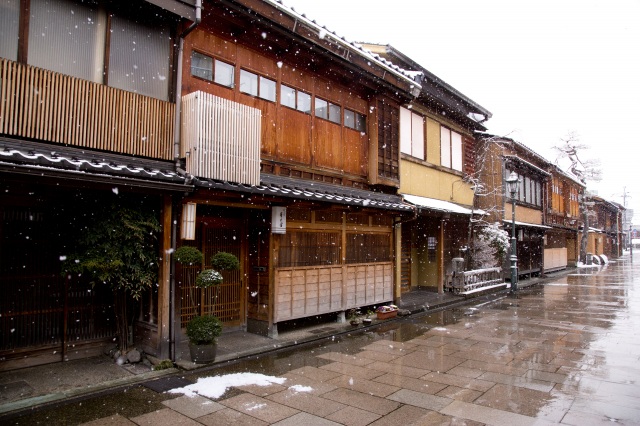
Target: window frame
298	105
359	120
260	81
455	146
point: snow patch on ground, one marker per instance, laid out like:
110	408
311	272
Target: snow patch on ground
300	388
216	386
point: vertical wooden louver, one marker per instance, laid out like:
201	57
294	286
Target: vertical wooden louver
221	138
45	105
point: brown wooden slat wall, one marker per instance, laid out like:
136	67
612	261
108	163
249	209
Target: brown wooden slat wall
45	105
316	290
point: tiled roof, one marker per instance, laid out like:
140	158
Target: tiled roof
72	162
25	156
312	191
393	68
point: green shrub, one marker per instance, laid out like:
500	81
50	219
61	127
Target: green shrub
204	330
223	261
207	278
164	365
188	255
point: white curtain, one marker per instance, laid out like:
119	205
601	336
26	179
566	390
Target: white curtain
456	151
139	58
67	37
9	16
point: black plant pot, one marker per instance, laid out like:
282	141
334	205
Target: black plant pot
203	354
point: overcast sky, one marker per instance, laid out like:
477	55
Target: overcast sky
543	68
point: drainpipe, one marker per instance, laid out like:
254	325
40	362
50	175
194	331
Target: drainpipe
176	129
174	330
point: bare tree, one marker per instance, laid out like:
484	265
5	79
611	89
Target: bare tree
571	151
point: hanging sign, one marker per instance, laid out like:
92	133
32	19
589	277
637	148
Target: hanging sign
278	220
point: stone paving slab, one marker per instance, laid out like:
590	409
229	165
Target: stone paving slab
363	401
417	385
193	406
307	402
261	408
164	417
352	416
489	416
374	388
305	419
229	417
419	399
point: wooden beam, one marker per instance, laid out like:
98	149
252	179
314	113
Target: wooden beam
164	276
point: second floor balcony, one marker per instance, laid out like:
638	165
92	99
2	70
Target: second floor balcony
47	106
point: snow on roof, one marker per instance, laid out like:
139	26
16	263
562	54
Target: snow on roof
528	164
62	161
355	47
532	225
438	205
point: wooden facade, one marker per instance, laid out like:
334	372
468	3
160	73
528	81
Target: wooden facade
437	146
73	142
563	216
501	156
325	124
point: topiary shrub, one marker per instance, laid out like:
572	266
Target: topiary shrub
204	330
223	261
207	278
188	255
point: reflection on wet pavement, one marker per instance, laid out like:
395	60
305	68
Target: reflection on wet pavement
564	353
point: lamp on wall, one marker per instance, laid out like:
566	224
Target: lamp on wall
513	183
188	227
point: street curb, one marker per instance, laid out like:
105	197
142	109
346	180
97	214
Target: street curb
84	391
13	408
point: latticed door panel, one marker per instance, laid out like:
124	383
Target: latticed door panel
225	300
405	260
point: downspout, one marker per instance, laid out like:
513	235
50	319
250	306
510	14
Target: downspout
174	333
177	128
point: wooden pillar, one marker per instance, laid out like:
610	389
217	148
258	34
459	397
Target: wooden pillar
397	263
164	276
274	248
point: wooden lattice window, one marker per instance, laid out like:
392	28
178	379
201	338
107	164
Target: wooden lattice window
388	140
333	216
367	248
309	249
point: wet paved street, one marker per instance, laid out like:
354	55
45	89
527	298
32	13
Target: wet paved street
568	353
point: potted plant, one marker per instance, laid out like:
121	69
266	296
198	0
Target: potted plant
387	311
352	316
202	332
367	319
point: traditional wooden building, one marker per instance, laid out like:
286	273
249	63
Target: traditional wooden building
87	118
282	148
291	136
437	162
501	156
605	228
562	240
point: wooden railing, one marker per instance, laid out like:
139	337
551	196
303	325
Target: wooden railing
469	282
44	105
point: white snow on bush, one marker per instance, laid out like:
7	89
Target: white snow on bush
216	386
